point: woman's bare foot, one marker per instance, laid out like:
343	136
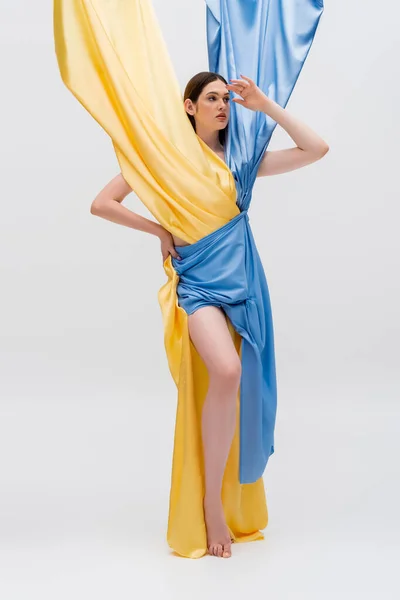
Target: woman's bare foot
218	536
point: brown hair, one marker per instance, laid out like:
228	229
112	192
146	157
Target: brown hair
193	90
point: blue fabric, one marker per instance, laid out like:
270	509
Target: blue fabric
268	41
224	269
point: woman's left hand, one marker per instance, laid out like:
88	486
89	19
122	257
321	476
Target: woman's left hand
251	95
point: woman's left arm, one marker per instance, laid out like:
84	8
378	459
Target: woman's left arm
310	146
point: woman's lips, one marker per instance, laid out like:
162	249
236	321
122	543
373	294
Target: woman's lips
222	117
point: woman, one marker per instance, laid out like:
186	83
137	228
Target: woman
207	101
194	166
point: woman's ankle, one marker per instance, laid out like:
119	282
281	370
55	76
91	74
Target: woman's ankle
212	499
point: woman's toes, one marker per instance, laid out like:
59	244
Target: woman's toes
227	551
216	550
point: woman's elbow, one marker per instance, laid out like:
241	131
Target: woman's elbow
317	152
97	207
94	208
114	191
323	149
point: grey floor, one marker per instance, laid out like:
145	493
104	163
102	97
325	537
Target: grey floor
85	496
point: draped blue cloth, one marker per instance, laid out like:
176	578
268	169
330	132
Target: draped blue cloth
268	41
224	269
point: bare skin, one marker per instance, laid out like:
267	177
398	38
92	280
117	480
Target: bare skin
210	335
208	327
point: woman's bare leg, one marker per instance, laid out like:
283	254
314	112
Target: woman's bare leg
210	335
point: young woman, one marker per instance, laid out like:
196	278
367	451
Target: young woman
207	101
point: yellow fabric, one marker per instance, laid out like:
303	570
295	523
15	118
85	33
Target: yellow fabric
113	58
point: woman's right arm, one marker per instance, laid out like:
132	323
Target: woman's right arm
108	205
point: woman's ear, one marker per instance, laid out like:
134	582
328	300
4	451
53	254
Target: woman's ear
189	107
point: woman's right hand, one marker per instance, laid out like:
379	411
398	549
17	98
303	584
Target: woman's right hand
167	245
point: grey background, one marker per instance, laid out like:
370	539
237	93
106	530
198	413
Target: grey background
87	401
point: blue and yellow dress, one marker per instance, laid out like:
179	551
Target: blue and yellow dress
113	58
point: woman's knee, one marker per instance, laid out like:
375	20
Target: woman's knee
210	334
227	371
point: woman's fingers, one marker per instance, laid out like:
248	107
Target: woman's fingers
168	247
236	86
248	80
236	89
242	82
174	252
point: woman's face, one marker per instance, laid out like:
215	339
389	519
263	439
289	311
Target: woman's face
211	111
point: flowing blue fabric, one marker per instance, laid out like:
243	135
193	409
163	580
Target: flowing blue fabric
268	41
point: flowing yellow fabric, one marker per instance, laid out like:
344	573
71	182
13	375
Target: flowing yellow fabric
112	57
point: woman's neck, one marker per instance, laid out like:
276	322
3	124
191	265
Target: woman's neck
210	138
